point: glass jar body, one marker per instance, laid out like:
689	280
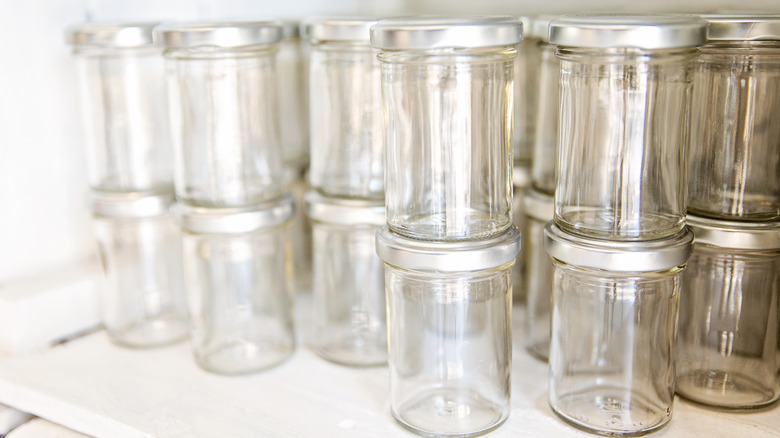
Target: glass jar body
624	130
448	133
735	158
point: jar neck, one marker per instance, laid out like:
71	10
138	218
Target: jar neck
625	54
449	55
214	52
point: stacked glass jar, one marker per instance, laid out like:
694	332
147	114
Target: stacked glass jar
121	85
222	82
729	341
346	204
449	244
618	239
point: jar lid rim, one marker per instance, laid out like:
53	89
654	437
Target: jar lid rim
739	27
340	211
226	34
233	220
110	34
540	27
735	235
425	33
642	31
338	28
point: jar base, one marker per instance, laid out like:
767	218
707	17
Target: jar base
467	225
608	225
243	357
354	351
725	389
150	333
452	412
608	412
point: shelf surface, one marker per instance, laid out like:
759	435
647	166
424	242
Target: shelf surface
94	387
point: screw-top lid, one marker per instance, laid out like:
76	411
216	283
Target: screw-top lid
735	235
338	28
117	35
642	31
443	33
131	204
235	220
344	211
539	206
609	255
540	29
179	35
468	256
739	27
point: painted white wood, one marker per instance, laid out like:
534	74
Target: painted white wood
11	418
40	428
97	388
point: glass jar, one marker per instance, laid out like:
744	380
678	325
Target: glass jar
449	332
144	301
293	98
121	86
238	273
539	275
546	139
347	153
735	158
521	180
729	342
222	88
447	87
614	325
525	83
350	325
625	108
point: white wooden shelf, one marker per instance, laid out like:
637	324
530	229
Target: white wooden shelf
99	389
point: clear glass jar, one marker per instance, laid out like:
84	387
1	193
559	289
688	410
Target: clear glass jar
449	332
728	349
447	87
222	86
238	272
625	110
347	153
614	326
546	139
350	325
293	98
539	275
144	302
121	85
525	80
521	181
734	153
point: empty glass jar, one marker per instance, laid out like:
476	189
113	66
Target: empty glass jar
546	138
614	324
121	86
293	82
238	273
447	87
734	153
625	110
349	286
143	300
729	341
222	86
539	274
449	325
347	153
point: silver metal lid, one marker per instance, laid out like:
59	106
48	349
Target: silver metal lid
344	211
735	235
521	176
647	256
118	35
540	29
175	35
466	256
643	31
539	206
235	220
131	204
439	33
338	28
739	27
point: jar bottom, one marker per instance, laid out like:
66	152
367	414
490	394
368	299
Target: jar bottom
355	351
452	226
159	331
243	357
726	389
611	412
451	411
609	225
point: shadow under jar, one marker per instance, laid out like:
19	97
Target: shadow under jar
449	332
624	123
447	88
614	327
729	340
735	136
143	301
350	324
121	86
222	88
238	273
